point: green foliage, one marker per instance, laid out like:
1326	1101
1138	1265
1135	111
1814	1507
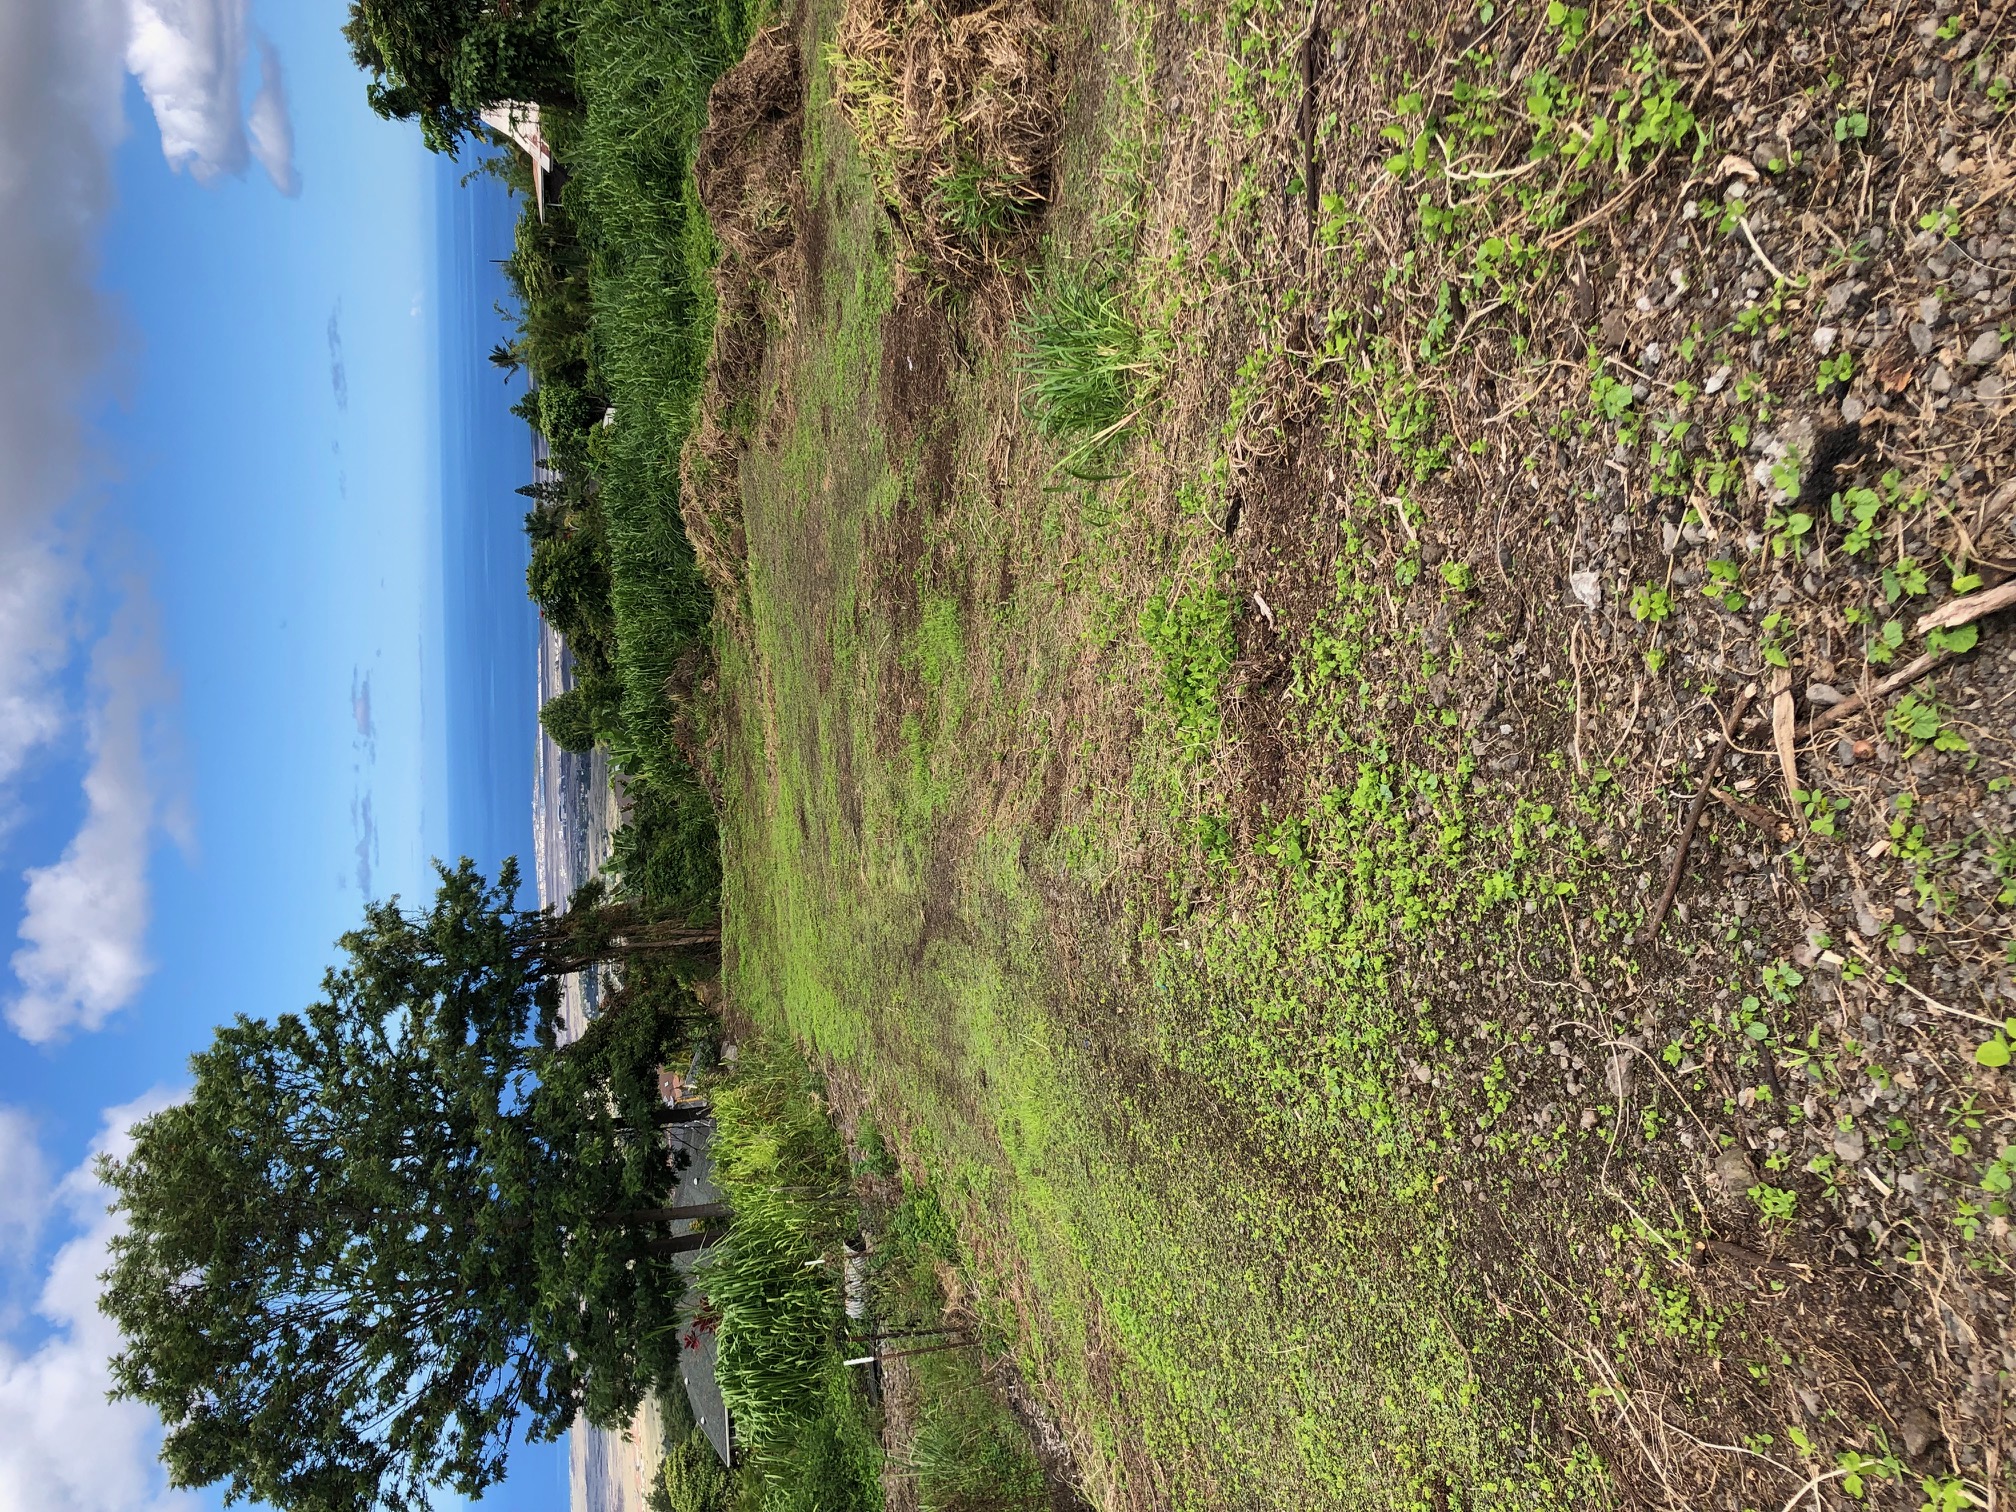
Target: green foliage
643	69
668	855
980	201
1916	720
781	1164
1191	633
586	713
1086	363
1650	605
380	1231
442	63
940	644
568	578
693	1479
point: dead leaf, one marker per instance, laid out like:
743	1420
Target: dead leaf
1896	366
1784	717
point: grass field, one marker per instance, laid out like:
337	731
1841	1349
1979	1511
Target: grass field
1215	679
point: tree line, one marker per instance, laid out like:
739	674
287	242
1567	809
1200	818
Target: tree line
389	1231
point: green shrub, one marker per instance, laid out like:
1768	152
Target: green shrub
668	855
693	1479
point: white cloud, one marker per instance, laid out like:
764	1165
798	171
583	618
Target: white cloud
66	1448
63	65
24	1186
189	56
84	930
271	124
60	82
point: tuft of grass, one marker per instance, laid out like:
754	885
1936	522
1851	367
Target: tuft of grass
1086	367
981	202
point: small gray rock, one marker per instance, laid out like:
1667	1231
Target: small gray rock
1912	1184
1990	389
1985	348
1905	944
1732	1170
1929	310
1844	752
1823	695
1669	536
1839	297
1824	338
1869	927
1849	1145
1921	337
1853	409
1940	381
1920	1431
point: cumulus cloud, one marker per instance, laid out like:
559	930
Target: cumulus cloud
189	56
84	929
60	81
63	65
66	1448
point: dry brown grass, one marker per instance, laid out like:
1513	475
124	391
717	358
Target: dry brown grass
747	173
938	96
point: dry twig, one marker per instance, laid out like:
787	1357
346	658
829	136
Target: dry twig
1693	822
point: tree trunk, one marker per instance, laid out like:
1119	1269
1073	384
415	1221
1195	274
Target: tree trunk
695	1210
683	1244
678	1114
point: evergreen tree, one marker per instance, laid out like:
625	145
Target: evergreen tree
382	1232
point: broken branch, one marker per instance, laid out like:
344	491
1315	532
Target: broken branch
1693	821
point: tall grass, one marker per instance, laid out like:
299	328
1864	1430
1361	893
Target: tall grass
1086	366
772	1282
643	69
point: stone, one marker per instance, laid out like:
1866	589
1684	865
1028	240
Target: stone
1716	381
1920	1431
1912	1184
1990	390
1853	409
1985	348
1921	337
1844	752
1823	695
1849	1145
1669	536
1941	381
1824	338
1586	589
1732	1171
1928	310
1839	297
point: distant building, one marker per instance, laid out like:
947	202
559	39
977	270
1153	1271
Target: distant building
519	125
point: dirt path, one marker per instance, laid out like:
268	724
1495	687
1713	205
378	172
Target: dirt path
1238	878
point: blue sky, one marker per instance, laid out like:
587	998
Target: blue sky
263	640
